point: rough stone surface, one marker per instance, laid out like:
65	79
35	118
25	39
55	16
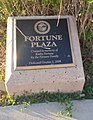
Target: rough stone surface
64	79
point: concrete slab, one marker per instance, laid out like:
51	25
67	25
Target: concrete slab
82	110
42	111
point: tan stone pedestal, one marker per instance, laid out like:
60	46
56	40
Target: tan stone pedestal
66	79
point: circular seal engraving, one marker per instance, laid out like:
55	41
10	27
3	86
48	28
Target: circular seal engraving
42	27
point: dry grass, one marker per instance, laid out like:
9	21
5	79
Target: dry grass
81	9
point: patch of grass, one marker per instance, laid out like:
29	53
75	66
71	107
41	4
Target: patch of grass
43	97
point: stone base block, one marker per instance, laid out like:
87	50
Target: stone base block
37	84
67	79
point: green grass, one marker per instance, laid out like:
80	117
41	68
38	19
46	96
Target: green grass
44	97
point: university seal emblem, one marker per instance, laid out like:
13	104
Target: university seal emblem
42	27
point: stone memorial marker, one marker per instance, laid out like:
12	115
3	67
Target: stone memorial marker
43	54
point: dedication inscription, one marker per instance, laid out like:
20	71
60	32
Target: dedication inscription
40	43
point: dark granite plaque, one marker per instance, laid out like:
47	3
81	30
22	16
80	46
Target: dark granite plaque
41	43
